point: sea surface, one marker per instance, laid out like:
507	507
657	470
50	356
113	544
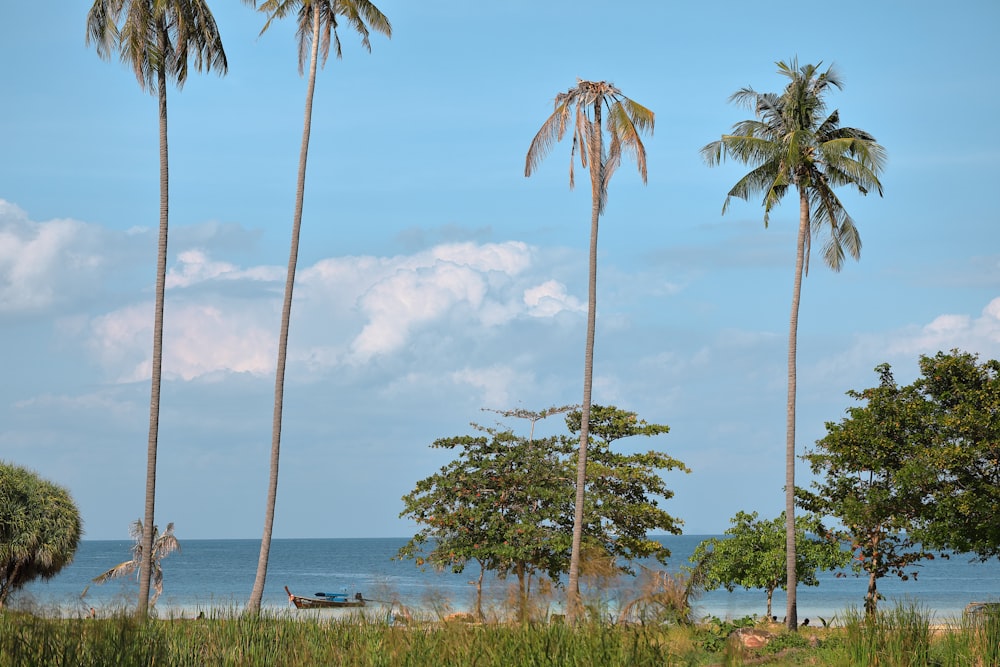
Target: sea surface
216	576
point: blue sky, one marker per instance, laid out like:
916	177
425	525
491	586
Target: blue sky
436	280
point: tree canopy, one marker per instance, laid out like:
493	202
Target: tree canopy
962	454
507	502
40	528
889	470
916	469
752	555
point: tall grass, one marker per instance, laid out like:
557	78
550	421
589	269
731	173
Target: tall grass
901	637
248	641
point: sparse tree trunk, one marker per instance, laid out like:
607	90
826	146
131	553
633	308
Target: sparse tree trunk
257	595
871	596
479	594
146	566
574	604
791	614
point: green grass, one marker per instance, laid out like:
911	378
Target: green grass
901	637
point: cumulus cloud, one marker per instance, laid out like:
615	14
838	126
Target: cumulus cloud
965	332
44	263
550	298
348	310
198	339
195	266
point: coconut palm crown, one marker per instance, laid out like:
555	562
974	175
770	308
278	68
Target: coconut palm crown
794	142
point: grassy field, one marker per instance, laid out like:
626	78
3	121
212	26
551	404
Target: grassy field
899	637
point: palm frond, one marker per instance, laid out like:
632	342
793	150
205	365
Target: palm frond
120	570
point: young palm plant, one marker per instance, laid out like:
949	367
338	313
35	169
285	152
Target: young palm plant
591	108
792	142
156	38
163	545
317	25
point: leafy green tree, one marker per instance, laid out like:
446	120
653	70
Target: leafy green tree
156	38
792	142
963	456
507	503
317	22
500	503
163	545
622	489
871	477
583	107
40	528
753	554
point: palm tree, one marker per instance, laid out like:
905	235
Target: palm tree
163	545
317	22
155	38
793	142
584	106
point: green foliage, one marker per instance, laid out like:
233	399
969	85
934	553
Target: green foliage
621	506
793	142
506	502
963	453
753	554
873	481
40	528
916	468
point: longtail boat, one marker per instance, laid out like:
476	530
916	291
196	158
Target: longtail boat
321	600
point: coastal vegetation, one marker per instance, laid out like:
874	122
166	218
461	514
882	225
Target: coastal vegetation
901	637
751	554
506	503
40	529
793	143
163	545
156	39
914	469
591	108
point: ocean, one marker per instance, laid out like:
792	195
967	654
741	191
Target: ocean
216	576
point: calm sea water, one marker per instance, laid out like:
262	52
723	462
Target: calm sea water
217	575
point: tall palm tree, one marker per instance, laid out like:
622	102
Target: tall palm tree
792	142
584	106
155	38
317	24
163	544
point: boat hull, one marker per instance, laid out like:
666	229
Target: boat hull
304	602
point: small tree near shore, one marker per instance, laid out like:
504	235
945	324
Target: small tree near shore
752	555
40	528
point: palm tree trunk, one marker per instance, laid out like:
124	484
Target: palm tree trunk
146	566
791	614
574	606
257	595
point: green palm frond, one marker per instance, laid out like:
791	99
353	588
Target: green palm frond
153	36
792	141
361	15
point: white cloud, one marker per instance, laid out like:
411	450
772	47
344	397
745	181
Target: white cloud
195	266
45	263
347	310
973	334
550	298
198	340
